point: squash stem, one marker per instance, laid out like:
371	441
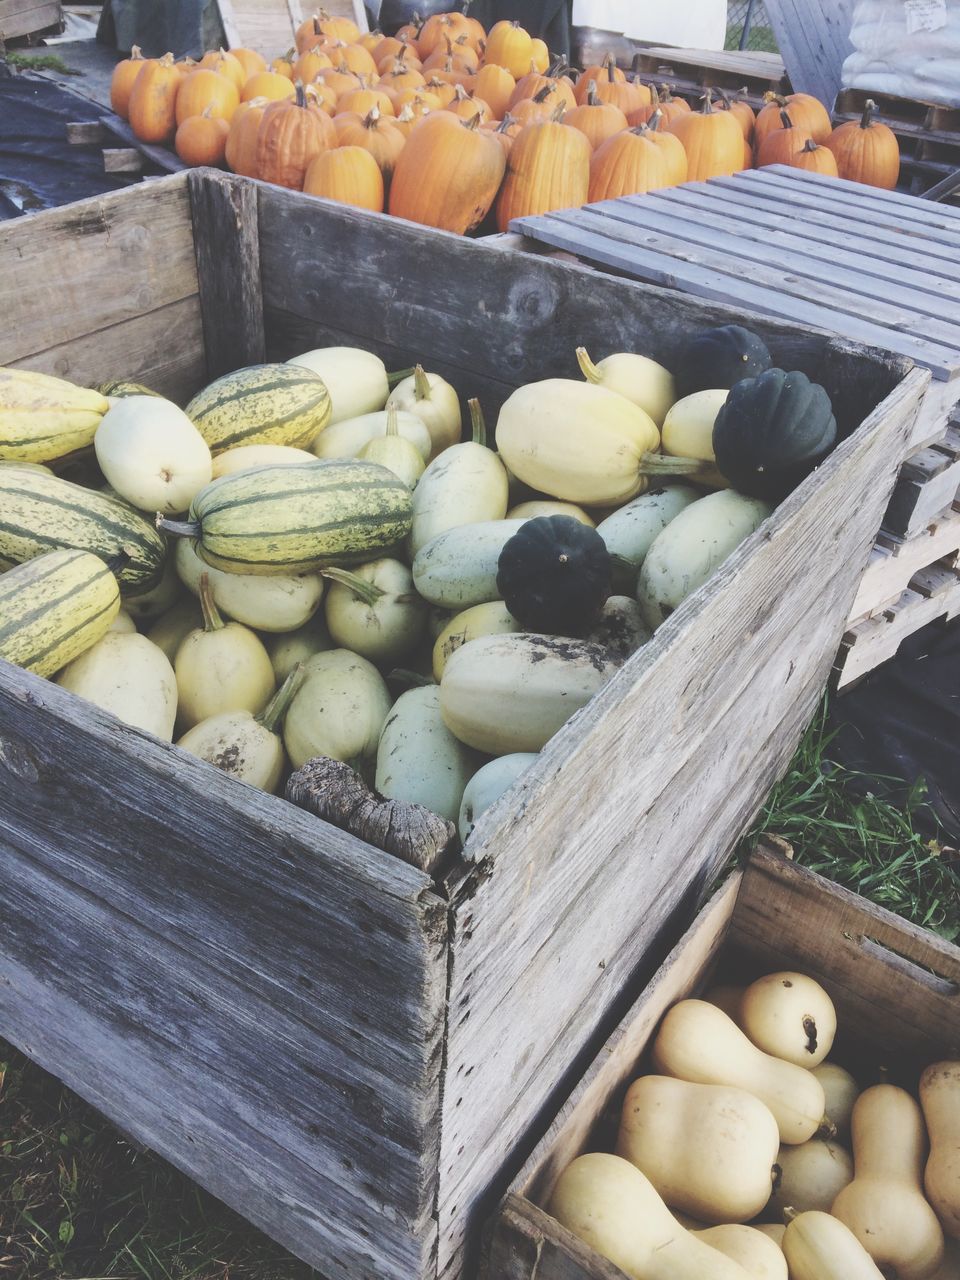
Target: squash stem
592	99
869	107
393	425
179	528
421	383
478	426
662	464
412	679
362	588
279	704
587	367
398	376
212	621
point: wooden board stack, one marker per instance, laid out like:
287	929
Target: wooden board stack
690	71
835	255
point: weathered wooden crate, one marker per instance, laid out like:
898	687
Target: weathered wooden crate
897	992
339	1046
27	17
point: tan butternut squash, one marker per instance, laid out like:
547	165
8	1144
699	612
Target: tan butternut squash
841	1092
789	1016
819	1247
940	1100
811	1176
759	1255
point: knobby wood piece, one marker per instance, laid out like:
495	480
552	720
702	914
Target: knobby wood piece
889	574
527	1244
730	682
86	133
130	253
122	160
813	37
929	483
250	992
225	233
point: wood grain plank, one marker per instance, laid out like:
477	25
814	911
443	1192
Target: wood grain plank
772	618
567	231
889	575
794	253
870	643
25	17
163	157
893	202
163	349
226	236
130	252
813	37
907	312
527	1244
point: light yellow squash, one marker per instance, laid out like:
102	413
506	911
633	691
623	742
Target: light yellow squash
638	378
247	456
547	507
756	1252
789	1016
819	1247
811	1176
339	711
940	1100
127	675
490	619
841	1092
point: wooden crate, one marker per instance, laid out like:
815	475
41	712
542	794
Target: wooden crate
690	71
897	992
338	1045
27	17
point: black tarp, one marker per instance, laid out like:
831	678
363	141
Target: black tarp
38	168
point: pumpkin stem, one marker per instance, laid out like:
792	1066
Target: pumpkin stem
506	123
869	107
135	54
708	108
393	428
778	98
543	93
372	118
399	376
412	679
809	145
654	96
279	704
364	590
212	621
790	1213
180	528
592	99
655	121
661	464
421	383
611	65
473	122
478	424
301	95
785	120
587	367
558	112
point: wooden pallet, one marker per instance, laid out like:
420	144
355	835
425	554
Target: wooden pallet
928	485
696	69
895	562
133	157
928	133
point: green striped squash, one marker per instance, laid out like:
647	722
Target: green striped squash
40	512
264	404
54	607
293	519
43	418
120	388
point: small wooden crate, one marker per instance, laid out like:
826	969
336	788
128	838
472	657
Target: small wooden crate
341	1047
28	17
897	992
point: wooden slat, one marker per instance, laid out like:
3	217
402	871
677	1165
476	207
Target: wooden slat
217	1022
164	159
929	483
893	202
131	252
527	1244
813	37
870	643
227	240
563	860
889	576
573	230
749	63
25	17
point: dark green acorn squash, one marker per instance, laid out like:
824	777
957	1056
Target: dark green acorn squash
719	358
772	431
554	575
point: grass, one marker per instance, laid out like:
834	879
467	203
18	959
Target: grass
79	1202
853	835
39	62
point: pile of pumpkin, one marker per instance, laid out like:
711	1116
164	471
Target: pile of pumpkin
442	120
350	528
750	1155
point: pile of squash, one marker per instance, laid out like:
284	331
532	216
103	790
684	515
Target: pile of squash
749	1155
303	562
445	124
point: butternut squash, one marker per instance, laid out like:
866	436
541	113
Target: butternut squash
759	1255
610	1205
884	1205
699	1043
709	1150
819	1247
789	1016
810	1176
940	1100
841	1092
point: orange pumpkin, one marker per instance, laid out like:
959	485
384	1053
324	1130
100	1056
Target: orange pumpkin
713	141
309	65
226	64
400	76
509	46
322	27
495	85
354	58
347	174
291	134
370	40
669	110
781	145
373	133
747	155
452	69
740	110
207	91
448	174
441	29
596	120
597	72
395	67
442	90
806	112
153	101
539	54
625	94
387	49
122	81
417	101
405	120
865	150
202	139
815	159
671	147
241	145
531	84
251	61
361	101
627	164
549	168
268	84
466	106
283	66
341	81
409	33
505	131
540	107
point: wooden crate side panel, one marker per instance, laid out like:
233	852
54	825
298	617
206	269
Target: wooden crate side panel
684	742
880	969
24	17
813	37
105	288
409	289
527	1244
258	967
